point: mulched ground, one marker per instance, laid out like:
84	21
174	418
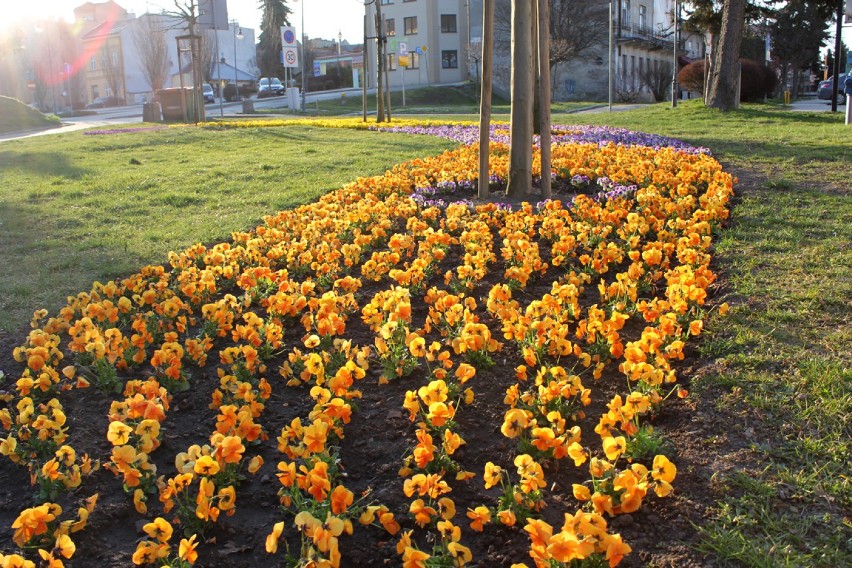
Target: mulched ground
662	532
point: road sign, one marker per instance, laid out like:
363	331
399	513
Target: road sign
404	61
418	50
357	61
425	48
403	48
291	57
288	36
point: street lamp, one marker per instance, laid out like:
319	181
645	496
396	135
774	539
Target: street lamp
675	15
609	59
238	34
304	56
339	70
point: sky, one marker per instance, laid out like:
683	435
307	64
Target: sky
323	18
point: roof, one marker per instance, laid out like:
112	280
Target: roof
227	73
106	29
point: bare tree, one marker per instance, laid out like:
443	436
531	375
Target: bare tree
208	55
657	78
112	64
628	85
149	36
576	26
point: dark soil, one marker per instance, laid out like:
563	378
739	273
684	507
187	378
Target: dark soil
662	532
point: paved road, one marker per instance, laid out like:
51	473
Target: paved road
129	114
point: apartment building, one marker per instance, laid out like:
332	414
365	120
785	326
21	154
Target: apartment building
436	35
115	63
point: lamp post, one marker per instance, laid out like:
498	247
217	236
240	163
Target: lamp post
609	59
339	70
238	34
675	17
304	56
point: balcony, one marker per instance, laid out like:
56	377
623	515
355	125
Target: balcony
646	37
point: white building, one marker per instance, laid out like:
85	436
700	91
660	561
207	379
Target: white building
116	66
435	34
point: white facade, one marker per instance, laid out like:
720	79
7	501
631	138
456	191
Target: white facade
122	40
436	34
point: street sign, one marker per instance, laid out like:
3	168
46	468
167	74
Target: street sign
404	61
288	36
403	48
425	48
418	50
357	62
317	69
291	57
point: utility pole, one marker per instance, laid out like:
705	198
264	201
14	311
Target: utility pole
609	59
675	18
364	66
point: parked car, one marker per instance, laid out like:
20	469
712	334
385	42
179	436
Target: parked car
104	102
209	95
270	87
825	88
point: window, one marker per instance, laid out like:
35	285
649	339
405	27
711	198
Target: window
95	92
385	2
448	23
410	25
450	59
409	0
414	60
390	27
643	22
93	64
391	61
625	13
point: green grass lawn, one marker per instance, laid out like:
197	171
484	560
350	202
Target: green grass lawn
780	364
775	371
446	100
16	116
77	208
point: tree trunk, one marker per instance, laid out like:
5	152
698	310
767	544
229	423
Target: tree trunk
544	93
485	101
724	93
520	150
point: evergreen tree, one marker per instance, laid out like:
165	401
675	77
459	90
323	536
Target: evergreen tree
276	13
800	29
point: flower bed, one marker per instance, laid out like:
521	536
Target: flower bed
445	380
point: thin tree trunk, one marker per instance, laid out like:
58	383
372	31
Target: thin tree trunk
724	94
544	83
380	65
520	149
485	100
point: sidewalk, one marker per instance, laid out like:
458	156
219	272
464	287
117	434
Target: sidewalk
64	127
